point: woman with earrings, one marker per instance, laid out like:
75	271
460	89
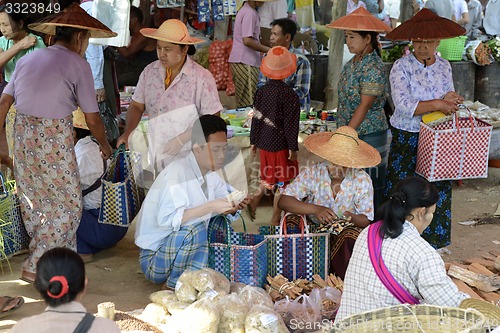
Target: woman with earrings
421	83
47	86
16	42
363	88
392	264
61	282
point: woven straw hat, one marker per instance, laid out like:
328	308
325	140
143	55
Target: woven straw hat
359	20
487	309
426	25
75	17
344	148
278	63
171	31
79	119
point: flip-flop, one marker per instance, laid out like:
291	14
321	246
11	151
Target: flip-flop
3	312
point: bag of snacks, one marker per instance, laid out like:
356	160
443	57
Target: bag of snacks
479	53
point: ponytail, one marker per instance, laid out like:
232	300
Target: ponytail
411	193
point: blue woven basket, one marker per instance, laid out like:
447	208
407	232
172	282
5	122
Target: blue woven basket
241	257
13	236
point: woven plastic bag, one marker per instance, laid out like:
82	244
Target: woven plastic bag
453	150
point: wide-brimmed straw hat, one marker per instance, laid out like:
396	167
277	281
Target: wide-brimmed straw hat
426	25
278	63
74	17
79	119
359	20
344	148
487	309
172	31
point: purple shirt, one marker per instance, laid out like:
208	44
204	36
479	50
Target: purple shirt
246	24
52	83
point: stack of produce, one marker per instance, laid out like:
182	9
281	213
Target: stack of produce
219	65
494	45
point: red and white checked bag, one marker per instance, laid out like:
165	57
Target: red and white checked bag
453	150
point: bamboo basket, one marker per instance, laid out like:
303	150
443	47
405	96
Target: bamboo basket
414	319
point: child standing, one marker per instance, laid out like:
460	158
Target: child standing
275	126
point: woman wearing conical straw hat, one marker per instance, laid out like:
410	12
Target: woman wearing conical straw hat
47	85
337	188
173	92
363	88
421	82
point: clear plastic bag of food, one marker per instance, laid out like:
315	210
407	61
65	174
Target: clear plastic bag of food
163	297
184	289
233	312
200	317
210	283
301	315
328	299
254	295
261	319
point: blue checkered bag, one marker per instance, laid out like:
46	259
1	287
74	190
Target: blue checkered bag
13	236
122	196
297	255
240	256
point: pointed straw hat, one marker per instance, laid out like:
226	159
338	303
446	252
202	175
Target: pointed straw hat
344	148
426	25
359	20
278	63
172	31
74	17
487	309
79	119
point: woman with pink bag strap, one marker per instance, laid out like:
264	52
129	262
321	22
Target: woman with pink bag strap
392	264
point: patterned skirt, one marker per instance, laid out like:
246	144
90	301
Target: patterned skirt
245	79
402	163
48	183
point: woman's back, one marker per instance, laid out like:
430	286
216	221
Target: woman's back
411	261
63	319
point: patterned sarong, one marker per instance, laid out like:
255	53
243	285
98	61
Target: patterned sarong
245	79
181	250
48	183
402	163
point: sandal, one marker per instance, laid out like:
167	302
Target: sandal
4	308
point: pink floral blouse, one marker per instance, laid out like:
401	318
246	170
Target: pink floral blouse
355	195
194	85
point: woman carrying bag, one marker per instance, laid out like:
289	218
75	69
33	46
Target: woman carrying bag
421	83
47	86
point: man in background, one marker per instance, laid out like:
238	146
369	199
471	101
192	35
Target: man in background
282	33
138	54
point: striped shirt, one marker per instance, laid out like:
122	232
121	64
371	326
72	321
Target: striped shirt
412	262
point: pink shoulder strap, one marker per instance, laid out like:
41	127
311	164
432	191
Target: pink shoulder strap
375	251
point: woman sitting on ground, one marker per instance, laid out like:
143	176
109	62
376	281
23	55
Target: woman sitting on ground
61	281
337	188
393	251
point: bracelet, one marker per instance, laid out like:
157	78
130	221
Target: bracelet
179	141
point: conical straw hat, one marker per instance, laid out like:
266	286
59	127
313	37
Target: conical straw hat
75	17
172	31
344	148
359	20
278	63
426	25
